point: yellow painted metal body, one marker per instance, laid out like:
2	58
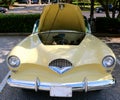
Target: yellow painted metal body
85	57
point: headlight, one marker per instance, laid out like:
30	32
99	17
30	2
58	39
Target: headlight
13	61
108	61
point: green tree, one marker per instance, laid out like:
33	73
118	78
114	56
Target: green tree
105	3
115	4
7	3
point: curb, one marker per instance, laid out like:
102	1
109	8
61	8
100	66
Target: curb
28	5
14	34
107	34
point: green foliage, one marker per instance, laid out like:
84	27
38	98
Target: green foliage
109	25
109	1
16	23
7	3
105	3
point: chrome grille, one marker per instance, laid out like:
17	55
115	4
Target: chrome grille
60	63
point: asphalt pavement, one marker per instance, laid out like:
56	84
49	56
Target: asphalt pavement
9	93
26	8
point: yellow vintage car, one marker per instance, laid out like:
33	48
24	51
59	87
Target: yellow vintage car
61	55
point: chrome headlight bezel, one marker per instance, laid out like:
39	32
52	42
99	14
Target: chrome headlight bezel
108	61
13	61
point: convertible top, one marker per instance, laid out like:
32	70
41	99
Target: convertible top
61	17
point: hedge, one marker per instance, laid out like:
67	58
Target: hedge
108	25
17	23
23	23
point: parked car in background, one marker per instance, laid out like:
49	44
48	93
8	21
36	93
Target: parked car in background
3	10
28	1
34	1
61	55
101	9
23	1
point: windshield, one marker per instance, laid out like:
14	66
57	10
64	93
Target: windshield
61	37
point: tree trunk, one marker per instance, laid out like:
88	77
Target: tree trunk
105	6
92	16
119	10
107	9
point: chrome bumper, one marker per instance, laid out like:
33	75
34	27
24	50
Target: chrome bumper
78	86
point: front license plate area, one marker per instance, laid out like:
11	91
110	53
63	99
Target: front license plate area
61	91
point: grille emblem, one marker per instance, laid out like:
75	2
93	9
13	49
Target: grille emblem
60	65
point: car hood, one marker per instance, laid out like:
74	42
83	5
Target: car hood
60	17
90	51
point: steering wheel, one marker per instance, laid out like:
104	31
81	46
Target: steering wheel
60	39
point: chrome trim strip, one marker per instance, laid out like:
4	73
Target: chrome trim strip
92	85
60	70
85	84
70	31
4	81
37	83
60	65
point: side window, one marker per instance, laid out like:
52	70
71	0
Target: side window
35	27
